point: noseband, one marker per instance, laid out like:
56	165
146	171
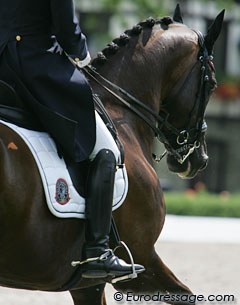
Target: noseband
188	139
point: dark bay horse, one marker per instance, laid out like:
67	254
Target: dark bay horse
168	67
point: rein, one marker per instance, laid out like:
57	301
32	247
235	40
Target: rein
187	139
91	72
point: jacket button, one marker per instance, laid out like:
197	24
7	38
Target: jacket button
18	37
77	59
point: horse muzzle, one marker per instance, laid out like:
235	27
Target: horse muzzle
190	164
192	170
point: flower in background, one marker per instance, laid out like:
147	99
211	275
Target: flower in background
229	91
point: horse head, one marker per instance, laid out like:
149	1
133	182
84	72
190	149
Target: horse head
186	102
168	70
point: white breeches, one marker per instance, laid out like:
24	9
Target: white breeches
104	139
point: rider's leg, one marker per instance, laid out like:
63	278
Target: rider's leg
100	261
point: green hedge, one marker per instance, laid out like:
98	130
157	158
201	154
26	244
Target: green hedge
203	204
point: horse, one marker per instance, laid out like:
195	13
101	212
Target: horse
167	74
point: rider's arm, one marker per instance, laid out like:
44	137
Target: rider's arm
68	32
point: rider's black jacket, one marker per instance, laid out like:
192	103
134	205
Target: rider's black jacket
34	36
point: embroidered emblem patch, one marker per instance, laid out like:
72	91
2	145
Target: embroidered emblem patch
62	192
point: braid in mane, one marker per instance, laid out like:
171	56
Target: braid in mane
124	39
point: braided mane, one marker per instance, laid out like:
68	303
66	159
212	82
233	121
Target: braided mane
123	39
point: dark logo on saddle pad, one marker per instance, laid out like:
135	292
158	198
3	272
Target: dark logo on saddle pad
62	192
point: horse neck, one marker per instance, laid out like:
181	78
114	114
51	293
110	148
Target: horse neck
147	70
153	62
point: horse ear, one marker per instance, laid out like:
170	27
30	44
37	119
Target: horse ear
214	31
177	16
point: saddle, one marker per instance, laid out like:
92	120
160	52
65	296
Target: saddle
11	109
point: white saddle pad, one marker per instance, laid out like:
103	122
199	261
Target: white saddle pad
62	198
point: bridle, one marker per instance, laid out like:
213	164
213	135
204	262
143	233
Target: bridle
188	139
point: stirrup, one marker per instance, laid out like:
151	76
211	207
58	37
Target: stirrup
103	257
130	276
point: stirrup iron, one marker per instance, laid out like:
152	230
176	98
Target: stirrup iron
130	276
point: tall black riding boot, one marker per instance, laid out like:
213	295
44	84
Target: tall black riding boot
99	260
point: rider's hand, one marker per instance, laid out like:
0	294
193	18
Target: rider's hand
83	63
80	63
